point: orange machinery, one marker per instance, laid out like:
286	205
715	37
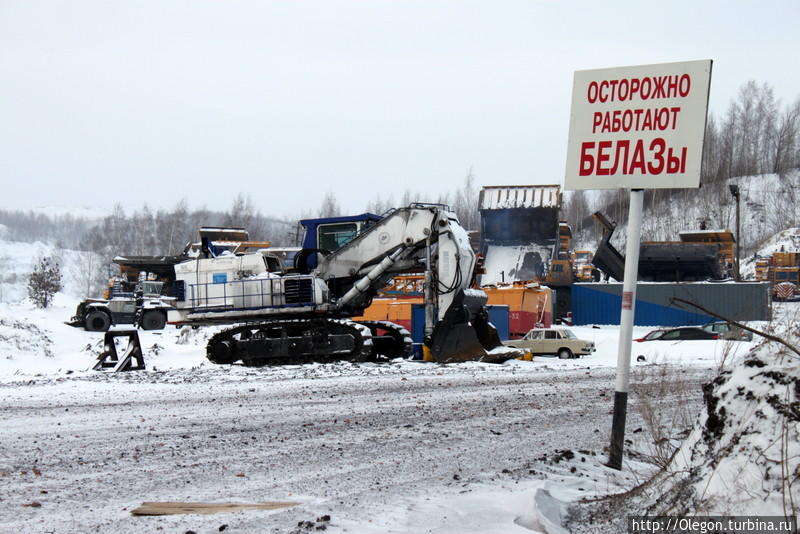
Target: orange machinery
394	301
779	267
529	304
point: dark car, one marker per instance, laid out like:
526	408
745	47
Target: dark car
728	331
653	334
679	334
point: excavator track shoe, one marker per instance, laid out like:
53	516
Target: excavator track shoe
389	340
292	342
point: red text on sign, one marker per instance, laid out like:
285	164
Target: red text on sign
647	88
627	120
605	158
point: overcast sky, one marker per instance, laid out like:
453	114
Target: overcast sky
154	101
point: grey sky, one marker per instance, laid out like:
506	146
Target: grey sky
154	101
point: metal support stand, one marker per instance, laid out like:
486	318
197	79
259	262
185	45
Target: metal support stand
734	188
108	360
429	291
626	328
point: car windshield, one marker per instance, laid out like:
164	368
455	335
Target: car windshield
568	334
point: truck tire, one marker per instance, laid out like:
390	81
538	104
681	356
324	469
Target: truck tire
97	321
565	354
153	320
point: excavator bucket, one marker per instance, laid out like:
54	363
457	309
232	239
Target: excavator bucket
465	333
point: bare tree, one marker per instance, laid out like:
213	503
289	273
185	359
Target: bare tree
89	273
766	119
409	197
330	206
241	212
711	152
465	203
787	140
380	206
172	228
576	210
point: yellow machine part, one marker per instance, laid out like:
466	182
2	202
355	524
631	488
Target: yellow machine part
528	304
785	259
527	357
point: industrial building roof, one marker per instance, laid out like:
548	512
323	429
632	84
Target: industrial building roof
501	197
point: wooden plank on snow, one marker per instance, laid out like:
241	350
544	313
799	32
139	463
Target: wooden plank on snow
174	508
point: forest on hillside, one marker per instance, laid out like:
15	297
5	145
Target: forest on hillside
756	136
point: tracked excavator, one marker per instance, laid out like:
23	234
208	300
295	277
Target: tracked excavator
280	317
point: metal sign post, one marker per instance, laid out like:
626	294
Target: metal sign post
626	328
636	128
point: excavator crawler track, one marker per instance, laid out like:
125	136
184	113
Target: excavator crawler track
389	340
292	342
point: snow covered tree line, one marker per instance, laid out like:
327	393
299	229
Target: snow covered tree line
463	201
755	136
144	231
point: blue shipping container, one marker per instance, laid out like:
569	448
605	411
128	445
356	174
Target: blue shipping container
743	301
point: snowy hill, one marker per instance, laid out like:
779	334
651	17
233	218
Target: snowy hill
769	205
17	260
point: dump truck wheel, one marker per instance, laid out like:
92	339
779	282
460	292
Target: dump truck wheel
97	321
565	354
153	320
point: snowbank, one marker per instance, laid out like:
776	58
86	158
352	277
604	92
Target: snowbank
743	456
17	260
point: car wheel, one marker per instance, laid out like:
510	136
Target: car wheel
565	353
153	320
97	321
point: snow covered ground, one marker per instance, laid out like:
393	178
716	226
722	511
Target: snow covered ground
403	447
37	342
400	447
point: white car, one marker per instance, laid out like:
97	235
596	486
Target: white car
560	341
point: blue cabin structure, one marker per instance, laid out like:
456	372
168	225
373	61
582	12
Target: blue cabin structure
329	234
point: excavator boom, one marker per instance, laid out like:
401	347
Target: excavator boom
305	317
